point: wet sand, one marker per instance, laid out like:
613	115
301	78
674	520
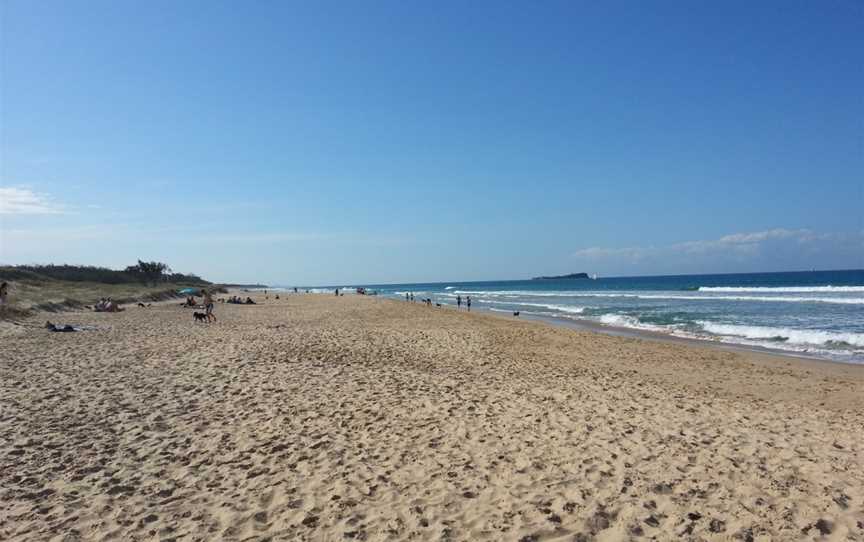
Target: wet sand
354	418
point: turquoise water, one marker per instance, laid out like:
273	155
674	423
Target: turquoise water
817	313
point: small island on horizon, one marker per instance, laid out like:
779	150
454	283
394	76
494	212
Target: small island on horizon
570	276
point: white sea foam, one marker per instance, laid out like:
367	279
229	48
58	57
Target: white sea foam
783	289
764	299
795	336
551	306
708	296
623	320
619	320
561	308
320	290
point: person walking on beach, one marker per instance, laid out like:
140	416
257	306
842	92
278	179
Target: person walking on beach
458	301
468	302
208	304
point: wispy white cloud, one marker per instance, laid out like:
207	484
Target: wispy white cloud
784	246
758	237
23	201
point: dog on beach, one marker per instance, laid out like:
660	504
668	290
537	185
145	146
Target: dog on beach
142	305
200	317
516	313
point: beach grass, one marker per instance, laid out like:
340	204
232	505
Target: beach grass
35	293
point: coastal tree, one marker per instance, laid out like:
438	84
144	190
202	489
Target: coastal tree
151	272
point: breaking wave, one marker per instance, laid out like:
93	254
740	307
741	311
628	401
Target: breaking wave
784	289
783	334
513	294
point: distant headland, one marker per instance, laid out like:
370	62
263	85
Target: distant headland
570	276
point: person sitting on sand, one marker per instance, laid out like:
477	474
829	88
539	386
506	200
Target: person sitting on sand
249	301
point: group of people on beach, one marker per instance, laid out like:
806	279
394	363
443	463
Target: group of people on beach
207	302
237	300
106	304
409	297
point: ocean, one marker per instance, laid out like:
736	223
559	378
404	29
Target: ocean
819	313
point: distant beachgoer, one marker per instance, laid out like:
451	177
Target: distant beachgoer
468	302
412	297
406	296
337	292
4	293
458	301
295	290
249	301
208	304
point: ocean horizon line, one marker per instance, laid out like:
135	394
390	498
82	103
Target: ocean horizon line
580	280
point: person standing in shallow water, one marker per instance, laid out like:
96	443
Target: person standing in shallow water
458	301
468	302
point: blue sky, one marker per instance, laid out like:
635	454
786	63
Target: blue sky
364	142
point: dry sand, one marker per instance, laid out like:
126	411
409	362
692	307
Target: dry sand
352	418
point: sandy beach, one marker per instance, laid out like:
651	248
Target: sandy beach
355	418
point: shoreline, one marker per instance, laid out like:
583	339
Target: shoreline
657	336
775	358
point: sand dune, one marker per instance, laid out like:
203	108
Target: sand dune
322	418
